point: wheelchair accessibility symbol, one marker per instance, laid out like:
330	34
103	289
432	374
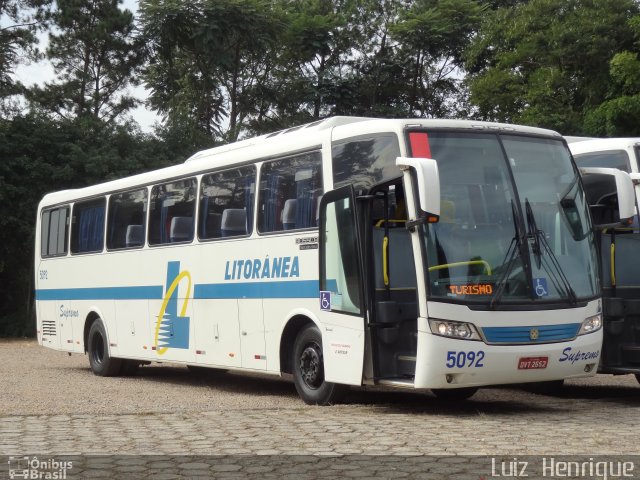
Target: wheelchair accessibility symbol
325	300
540	284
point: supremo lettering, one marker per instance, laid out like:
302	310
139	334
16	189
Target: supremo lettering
277	267
573	357
67	312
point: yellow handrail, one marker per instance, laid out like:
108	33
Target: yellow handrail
381	222
385	261
612	259
484	263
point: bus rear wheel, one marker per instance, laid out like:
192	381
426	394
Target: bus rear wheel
308	370
101	362
454	394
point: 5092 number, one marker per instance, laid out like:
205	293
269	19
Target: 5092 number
465	359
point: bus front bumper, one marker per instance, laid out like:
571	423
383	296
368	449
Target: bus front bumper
452	363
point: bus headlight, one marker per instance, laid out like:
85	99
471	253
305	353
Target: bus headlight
449	328
591	324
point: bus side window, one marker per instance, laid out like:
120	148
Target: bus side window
168	201
54	229
290	189
364	162
126	220
87	226
226	203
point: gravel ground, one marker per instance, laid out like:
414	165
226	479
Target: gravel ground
37	380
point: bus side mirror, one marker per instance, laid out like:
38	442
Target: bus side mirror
624	190
428	182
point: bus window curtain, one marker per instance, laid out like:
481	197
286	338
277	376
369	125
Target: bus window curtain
307	192
249	187
272	205
204	212
164	227
91	228
113	230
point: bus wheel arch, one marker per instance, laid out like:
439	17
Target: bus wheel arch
307	361
91	317
96	345
291	330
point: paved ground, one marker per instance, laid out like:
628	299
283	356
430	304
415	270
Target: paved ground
52	405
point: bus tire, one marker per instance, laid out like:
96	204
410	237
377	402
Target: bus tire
101	362
308	370
638	377
454	394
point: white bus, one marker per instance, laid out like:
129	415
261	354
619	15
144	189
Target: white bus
339	252
620	153
619	250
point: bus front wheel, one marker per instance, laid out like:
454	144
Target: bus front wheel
308	370
101	362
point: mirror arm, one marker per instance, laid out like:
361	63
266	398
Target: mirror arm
412	224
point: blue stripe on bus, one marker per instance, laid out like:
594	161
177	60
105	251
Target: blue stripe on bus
285	289
151	292
522	334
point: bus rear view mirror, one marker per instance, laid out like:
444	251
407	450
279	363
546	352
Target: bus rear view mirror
620	185
427	180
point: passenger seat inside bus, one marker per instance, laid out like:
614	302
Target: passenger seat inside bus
234	222
134	236
181	229
289	214
213	225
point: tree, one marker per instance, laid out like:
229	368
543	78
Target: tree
17	38
619	114
96	56
546	62
432	36
63	154
206	56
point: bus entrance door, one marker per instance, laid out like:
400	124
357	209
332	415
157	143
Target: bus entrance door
341	299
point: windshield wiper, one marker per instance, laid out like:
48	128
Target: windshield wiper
514	250
539	239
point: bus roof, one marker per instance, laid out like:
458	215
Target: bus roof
288	140
603	144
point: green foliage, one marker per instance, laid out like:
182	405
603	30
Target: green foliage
206	59
96	56
551	58
21	20
63	154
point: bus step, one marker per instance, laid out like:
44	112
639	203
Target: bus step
406	364
631	354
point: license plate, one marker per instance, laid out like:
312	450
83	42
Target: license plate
530	363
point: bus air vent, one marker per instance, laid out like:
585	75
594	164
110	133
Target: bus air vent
49	328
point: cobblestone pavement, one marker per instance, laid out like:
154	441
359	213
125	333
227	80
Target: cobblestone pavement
166	416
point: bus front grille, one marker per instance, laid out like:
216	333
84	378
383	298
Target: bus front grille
531	334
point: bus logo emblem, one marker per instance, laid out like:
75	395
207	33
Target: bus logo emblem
172	330
534	334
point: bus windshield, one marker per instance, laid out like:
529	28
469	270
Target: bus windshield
514	224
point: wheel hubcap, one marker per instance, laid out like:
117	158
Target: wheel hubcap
311	366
